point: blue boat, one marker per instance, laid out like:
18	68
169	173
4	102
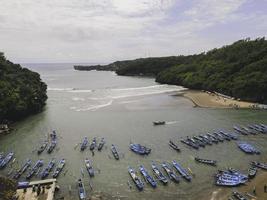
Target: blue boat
42	147
84	144
35	168
89	167
1	156
170	172
59	168
53	135
22	169
52	146
101	144
147	177
6	160
22	185
248	148
81	190
159	174
230	177
115	152
93	144
182	171
139	149
48	169
137	181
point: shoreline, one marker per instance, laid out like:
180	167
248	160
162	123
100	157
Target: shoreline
204	99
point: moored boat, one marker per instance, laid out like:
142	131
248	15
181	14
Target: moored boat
170	172
84	144
240	130
48	169
137	181
252	171
190	144
239	196
36	167
159	174
6	160
93	144
139	149
219	138
24	167
42	147
248	148
174	146
101	144
206	161
115	152
89	167
81	190
159	123
51	146
259	165
182	171
59	168
147	177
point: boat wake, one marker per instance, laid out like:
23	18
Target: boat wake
60	89
93	107
171	122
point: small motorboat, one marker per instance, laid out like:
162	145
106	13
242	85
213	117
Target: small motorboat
6	160
115	152
93	144
84	143
155	123
81	190
252	171
59	168
147	177
139	149
182	171
89	167
159	174
239	196
137	181
36	167
48	169
170	172
206	161
42	147
52	146
22	169
174	146
259	165
101	144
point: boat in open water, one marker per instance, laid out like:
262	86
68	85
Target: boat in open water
81	190
137	181
6	160
147	177
93	144
206	161
89	167
101	144
23	168
170	172
159	174
48	169
36	167
139	149
84	144
59	168
155	123
42	147
184	173
115	152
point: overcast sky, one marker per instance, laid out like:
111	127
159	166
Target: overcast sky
108	30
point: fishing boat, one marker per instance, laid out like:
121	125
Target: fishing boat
182	171
256	128
48	169
81	190
101	144
6	160
218	137
174	146
230	177
170	172
115	152
196	142
137	181
240	130
259	165
93	144
226	135
84	143
37	165
263	130
239	196
248	130
159	174
42	147
206	161
139	149
200	140
248	148
147	177
190	144
52	146
22	169
206	139
59	168
159	123
89	167
212	138
1	156
252	171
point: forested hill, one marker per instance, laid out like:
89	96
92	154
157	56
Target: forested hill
21	91
238	70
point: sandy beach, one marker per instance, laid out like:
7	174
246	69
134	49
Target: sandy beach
212	100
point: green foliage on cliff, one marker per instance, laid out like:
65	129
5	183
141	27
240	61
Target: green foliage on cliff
21	91
7	188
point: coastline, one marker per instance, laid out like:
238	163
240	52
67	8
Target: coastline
211	100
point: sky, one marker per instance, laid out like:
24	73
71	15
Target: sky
102	31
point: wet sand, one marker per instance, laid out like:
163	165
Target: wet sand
212	100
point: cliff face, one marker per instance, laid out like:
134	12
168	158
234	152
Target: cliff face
22	92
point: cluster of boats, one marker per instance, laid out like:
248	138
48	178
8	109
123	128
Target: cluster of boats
248	148
251	129
50	146
93	144
139	149
159	174
230	177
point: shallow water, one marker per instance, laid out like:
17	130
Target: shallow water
121	109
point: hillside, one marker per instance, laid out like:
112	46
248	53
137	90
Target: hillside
21	91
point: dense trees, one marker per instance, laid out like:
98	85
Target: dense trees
21	91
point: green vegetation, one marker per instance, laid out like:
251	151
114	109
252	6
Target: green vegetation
21	91
7	188
238	70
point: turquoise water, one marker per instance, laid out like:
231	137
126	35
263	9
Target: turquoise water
122	109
